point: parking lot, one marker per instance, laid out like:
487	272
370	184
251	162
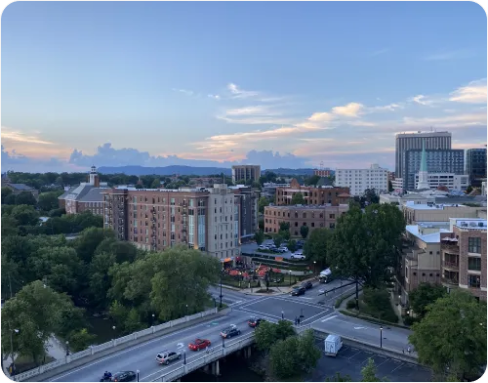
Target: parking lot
253	248
351	360
292	308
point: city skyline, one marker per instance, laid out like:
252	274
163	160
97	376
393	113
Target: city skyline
215	84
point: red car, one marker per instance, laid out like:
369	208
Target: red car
199	344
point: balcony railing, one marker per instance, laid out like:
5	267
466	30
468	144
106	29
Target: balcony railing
451	265
450	281
450	247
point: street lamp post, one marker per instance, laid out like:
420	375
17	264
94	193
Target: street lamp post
67	348
315	267
152	320
289	272
220	296
12	348
381	336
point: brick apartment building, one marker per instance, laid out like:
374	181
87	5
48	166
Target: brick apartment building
158	219
312	216
463	256
312	195
323	172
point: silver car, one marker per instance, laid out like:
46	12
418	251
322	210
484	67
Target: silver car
166	357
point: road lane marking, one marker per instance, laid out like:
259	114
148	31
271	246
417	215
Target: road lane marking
329	318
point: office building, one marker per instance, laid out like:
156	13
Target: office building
269	189
312	195
247	199
358	180
313	216
430	212
245	173
323	172
413	140
437	161
449	180
463	255
476	166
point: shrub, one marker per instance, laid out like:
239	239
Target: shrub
408	320
351	304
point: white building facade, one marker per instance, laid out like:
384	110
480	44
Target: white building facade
223	224
358	180
450	180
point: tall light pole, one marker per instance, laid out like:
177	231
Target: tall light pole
220	296
381	336
67	348
12	348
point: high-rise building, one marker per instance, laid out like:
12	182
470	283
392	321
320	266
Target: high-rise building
437	161
476	165
413	140
246	173
247	198
423	180
358	180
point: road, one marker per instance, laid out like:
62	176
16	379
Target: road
317	311
143	356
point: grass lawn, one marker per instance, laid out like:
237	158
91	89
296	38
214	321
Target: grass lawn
376	304
26	363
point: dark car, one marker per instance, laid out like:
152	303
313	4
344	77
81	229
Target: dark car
307	285
254	322
298	291
230	331
124	376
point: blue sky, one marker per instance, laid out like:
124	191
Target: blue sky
282	84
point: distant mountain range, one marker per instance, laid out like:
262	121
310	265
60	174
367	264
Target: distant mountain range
188	170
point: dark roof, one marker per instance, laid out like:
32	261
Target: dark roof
84	192
21	187
93	195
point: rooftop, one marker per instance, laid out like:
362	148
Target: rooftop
431	235
21	187
304	207
430	206
469	223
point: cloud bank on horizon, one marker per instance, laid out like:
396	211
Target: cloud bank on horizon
69	102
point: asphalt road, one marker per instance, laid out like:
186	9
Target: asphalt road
393	337
143	357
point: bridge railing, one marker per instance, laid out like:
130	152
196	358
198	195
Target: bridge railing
113	343
214	353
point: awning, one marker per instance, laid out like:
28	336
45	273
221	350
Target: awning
227	260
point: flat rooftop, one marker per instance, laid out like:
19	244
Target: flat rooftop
431	206
304	207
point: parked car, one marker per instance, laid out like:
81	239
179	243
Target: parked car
283	249
263	247
166	357
300	290
199	344
254	322
307	285
230	331
297	255
275	250
124	376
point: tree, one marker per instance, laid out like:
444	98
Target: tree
268	333
259	237
424	295
363	244
284	329
469	189
277	239
88	241
304	231
5	193
80	340
316	246
292	245
297	199
368	373
25	215
313	180
156	184
294	355
133	322
25	198
49	200
452	335
35	311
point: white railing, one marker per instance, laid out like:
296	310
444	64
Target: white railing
104	346
215	353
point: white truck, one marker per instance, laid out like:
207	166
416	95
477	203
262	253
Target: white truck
332	344
325	276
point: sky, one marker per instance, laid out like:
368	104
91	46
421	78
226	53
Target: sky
280	84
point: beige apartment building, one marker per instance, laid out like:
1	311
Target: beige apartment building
431	212
246	173
312	195
463	255
312	216
158	219
420	257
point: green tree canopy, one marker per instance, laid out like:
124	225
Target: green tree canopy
363	243
316	246
268	333
25	198
259	237
313	180
49	200
297	199
304	231
424	295
452	335
25	215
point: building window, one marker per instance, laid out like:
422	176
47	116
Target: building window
474	263
332	216
296	224
474	281
332	225
313	224
474	245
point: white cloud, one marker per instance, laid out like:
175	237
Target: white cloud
10	134
385	108
473	93
451	122
214	96
421	99
184	91
449	55
252	110
240	93
352	109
